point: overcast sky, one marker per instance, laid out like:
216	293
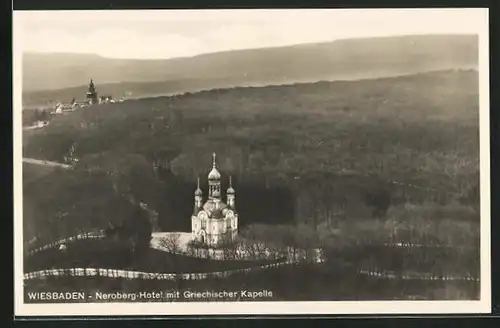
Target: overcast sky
167	34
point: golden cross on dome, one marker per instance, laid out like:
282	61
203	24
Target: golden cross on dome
198	182
230	181
213	164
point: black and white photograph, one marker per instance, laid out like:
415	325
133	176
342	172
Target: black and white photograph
298	161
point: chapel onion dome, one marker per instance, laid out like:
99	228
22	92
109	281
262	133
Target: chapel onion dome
214	174
230	190
198	191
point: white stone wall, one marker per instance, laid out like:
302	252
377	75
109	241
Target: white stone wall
129	274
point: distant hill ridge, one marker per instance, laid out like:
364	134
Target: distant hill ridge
345	59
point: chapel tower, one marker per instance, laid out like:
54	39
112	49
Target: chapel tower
214	185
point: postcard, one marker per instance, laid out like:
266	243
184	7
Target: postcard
239	162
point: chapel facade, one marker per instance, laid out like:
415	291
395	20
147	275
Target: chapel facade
214	222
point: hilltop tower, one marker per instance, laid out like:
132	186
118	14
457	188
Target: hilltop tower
215	222
91	95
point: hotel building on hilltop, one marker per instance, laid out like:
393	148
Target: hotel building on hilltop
91	98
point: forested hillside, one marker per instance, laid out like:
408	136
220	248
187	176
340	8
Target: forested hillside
298	153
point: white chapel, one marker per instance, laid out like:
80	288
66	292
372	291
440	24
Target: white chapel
214	222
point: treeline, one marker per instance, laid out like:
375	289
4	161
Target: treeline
108	253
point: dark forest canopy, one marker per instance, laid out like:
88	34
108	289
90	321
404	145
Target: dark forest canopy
405	116
304	152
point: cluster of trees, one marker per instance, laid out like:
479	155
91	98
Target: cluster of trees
257	242
404	242
428	239
112	253
71	202
31	116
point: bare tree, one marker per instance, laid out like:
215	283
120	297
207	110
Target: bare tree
171	243
261	249
235	250
227	248
191	249
306	238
